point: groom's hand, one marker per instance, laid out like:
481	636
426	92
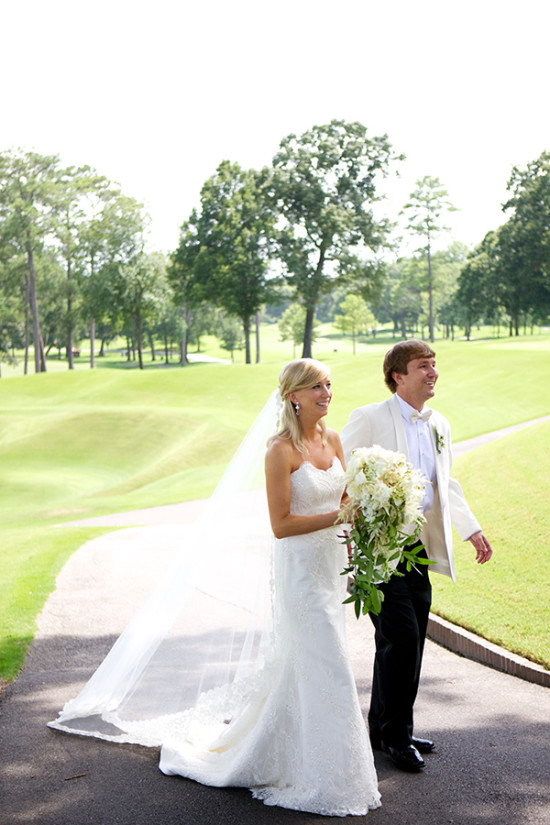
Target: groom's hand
484	551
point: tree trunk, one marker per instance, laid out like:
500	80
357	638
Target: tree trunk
246	332
42	355
152	344
308	333
183	352
430	295
70	356
257	339
312	299
139	343
27	330
92	343
37	338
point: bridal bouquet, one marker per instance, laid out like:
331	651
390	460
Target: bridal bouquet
384	493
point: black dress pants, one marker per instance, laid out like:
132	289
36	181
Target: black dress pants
400	632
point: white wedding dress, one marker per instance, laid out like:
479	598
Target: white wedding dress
294	733
236	663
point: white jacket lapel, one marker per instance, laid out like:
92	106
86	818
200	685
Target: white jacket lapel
400	434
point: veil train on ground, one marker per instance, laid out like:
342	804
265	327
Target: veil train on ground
205	625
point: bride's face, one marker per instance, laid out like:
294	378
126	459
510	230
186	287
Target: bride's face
314	400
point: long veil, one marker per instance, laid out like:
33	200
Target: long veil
207	625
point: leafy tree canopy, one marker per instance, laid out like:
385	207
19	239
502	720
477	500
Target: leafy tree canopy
324	186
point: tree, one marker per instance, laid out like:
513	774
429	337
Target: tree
230	333
479	290
354	317
29	189
111	240
51	286
233	233
510	270
426	204
182	275
526	234
92	246
144	286
13	281
10	330
324	186
292	324
448	264
401	301
204	321
71	217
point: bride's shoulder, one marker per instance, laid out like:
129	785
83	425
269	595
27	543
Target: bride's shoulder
335	444
281	459
333	438
279	449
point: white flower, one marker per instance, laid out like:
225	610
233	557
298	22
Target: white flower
439	440
385	494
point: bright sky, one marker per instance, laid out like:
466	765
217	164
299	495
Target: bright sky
155	93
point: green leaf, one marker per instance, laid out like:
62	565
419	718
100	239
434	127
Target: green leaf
376	601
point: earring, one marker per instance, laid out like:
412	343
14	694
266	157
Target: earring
297	408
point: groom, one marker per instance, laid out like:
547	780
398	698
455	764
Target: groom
403	423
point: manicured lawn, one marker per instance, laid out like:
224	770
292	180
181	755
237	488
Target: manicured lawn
506	600
87	443
31	560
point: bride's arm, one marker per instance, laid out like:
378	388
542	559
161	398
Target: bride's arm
278	467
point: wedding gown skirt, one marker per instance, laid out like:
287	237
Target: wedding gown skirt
294	733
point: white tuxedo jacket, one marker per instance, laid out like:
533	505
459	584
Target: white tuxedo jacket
382	424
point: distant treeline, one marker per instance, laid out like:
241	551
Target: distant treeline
301	240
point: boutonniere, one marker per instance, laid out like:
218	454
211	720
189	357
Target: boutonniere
439	441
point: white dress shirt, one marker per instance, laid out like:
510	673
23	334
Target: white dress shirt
421	449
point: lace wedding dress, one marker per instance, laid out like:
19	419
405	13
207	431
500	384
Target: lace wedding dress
236	663
294	734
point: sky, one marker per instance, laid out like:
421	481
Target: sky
154	94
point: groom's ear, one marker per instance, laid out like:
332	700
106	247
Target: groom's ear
397	377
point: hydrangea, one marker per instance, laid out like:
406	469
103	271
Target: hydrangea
385	493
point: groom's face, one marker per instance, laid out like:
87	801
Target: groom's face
417	385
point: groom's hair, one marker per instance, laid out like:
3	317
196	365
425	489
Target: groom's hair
398	357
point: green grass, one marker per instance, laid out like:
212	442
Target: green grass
506	600
31	559
86	443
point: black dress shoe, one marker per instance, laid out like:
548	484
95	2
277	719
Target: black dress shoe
406	757
423	745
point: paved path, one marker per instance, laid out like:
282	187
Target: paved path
492	729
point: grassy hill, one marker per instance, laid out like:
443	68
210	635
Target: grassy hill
85	443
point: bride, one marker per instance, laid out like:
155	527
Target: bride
275	708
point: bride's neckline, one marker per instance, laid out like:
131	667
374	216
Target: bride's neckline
321	469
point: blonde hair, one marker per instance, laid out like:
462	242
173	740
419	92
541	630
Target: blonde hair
298	375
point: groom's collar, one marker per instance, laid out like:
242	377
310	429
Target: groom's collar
406	408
